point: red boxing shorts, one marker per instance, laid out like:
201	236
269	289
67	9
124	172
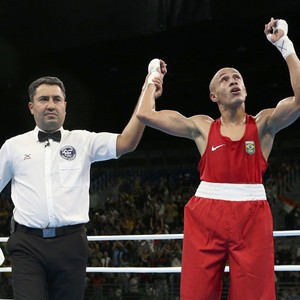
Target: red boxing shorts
231	225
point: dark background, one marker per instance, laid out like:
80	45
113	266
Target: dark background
101	49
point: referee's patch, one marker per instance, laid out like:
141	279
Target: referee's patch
68	152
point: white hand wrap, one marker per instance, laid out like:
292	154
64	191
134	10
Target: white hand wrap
284	44
152	68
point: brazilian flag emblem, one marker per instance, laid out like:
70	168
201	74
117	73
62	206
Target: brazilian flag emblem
250	147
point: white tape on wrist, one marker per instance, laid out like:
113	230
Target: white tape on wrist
152	68
284	44
153	75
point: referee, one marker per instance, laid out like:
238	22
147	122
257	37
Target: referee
49	171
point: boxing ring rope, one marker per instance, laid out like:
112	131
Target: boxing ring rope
142	237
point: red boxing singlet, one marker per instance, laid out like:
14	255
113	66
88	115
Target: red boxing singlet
229	220
227	161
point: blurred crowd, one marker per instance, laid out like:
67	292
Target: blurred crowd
139	201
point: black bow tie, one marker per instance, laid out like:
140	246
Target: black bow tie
44	136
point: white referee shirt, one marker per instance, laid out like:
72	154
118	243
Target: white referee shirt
50	183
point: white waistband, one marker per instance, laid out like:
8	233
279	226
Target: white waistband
231	191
